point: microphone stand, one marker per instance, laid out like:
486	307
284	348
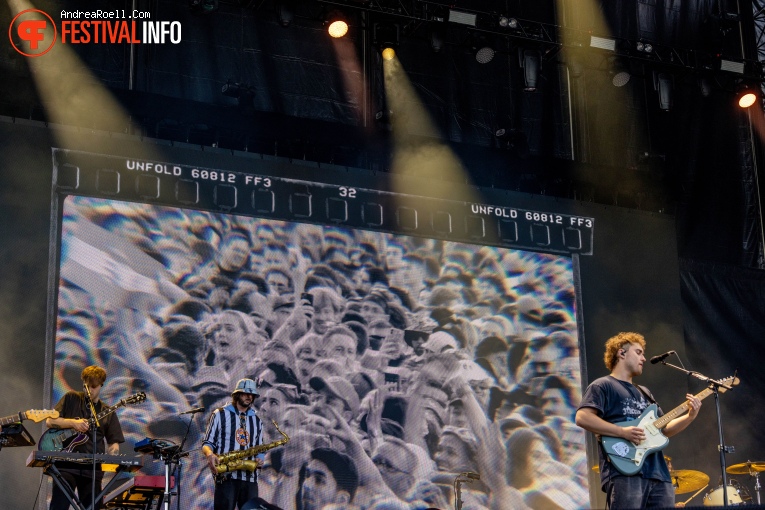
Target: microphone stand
715	386
176	457
94	430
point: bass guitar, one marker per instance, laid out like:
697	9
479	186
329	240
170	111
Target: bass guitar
66	439
35	415
628	457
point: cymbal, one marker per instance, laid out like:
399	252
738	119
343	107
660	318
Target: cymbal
688	480
746	467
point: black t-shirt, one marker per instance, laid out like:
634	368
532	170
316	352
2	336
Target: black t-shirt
73	405
617	401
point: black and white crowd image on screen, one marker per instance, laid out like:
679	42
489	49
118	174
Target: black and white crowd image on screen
393	362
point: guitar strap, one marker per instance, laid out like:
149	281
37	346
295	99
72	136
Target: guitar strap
647	393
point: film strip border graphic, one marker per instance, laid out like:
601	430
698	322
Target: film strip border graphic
291	199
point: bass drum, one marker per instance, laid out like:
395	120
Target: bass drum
715	497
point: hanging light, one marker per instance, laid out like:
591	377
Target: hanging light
747	99
483	50
386	36
337	25
531	62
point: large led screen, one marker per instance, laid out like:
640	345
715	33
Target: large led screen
415	360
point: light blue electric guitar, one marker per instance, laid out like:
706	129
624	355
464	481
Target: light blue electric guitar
628	457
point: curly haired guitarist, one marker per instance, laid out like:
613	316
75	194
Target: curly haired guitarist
614	399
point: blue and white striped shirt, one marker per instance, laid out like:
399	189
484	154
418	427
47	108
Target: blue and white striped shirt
222	430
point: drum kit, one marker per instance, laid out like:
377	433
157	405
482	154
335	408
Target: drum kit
688	480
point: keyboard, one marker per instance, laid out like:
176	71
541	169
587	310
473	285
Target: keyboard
41	459
138	492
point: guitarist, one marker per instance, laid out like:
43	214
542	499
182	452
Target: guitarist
614	399
74	413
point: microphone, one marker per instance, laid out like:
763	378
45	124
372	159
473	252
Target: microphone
661	357
471	475
193	411
87	390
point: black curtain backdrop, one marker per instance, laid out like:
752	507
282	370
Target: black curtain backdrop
724	322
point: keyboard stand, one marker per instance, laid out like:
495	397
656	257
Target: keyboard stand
69	492
58	479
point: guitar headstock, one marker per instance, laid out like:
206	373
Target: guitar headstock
38	415
133	399
728	381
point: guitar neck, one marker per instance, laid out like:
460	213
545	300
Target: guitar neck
680	410
109	410
15	418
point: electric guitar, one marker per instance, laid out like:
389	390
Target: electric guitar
36	415
66	439
628	457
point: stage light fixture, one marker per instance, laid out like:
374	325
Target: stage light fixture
284	13
747	99
203	6
463	18
747	95
386	37
705	87
531	62
644	47
506	22
602	43
231	89
621	79
664	85
436	40
483	50
514	140
620	71
337	24
384	119
732	66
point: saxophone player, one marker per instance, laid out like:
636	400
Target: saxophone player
231	428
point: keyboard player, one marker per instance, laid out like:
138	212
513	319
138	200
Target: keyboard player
74	411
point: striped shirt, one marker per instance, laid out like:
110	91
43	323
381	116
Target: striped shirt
223	435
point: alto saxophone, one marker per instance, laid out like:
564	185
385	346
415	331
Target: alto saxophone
235	461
